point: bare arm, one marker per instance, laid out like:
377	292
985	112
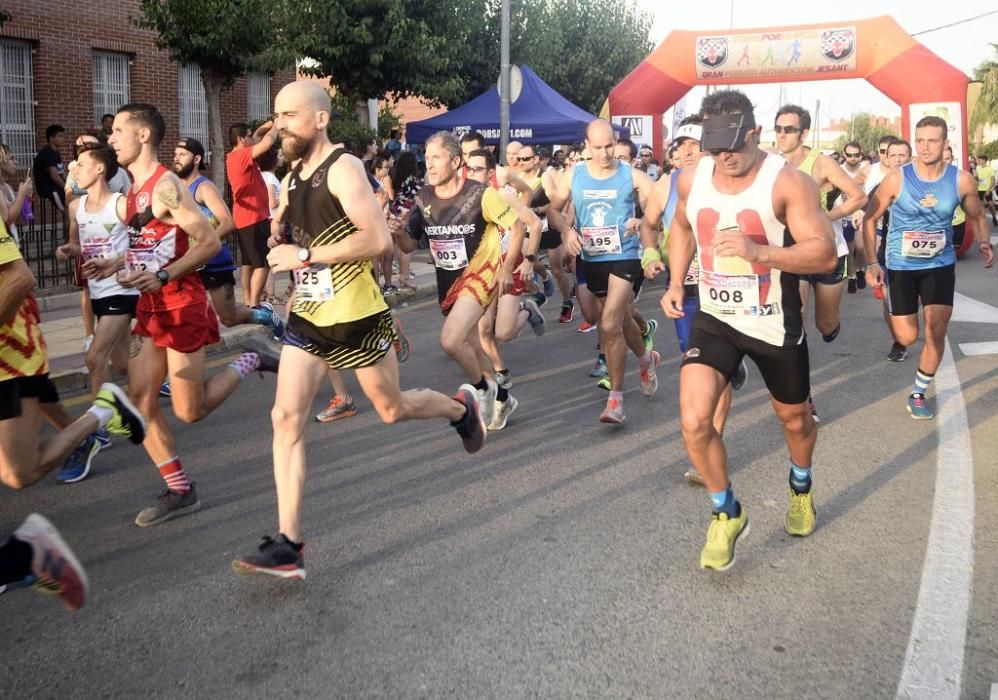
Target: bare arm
72	247
213	200
559	198
16	282
880	199
651	224
506	176
348	181
967	187
266	136
855	198
529	219
643	184
682	246
173	202
23	193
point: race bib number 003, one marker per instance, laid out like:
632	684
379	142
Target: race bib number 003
923	244
449	253
601	240
314	283
141	260
729	295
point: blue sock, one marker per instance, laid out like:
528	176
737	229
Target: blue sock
922	382
261	316
800	479
724	502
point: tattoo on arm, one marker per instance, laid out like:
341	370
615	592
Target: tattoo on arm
168	192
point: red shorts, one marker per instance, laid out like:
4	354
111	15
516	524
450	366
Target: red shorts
519	287
187	329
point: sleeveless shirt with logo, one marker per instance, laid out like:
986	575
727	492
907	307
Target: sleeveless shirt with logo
103	235
754	299
602	208
222	262
920	236
807	167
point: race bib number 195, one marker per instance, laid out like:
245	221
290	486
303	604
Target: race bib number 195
601	240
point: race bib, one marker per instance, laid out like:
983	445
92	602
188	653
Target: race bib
601	240
923	244
504	241
449	253
92	250
314	283
729	295
141	260
693	274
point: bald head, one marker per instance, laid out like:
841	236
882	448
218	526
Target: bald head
599	130
305	95
302	110
600	143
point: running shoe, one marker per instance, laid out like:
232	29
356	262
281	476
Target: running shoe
401	342
275	556
87	342
585	327
548	285
169	505
599	368
693	477
539	298
270	353
604	383
55	570
503	410
77	465
861	279
126	420
851	285
487	401
274	322
918	407
648	336
722	536
567	312
800	514
898	353
536	320
649	380
613	413
103	439
336	409
812	409
740	376
470	427
503	379
164	389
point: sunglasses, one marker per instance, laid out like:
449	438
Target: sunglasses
852	155
525	159
646	155
476	169
882	151
786	129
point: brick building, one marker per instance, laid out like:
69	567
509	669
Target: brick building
70	63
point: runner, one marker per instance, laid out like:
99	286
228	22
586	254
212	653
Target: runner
603	193
986	186
473	141
339	318
959	217
920	260
737	211
858	170
169	240
898	154
461	219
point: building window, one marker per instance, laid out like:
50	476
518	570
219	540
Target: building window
112	80
17	107
193	105
258	96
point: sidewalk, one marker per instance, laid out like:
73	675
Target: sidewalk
62	325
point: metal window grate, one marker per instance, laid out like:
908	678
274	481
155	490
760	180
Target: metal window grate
193	106
17	107
112	81
258	96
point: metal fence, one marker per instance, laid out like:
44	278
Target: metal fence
39	239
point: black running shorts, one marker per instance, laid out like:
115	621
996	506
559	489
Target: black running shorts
597	275
13	390
906	288
253	248
360	343
213	279
115	305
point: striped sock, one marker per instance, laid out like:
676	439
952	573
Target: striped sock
800	478
174	475
245	363
922	382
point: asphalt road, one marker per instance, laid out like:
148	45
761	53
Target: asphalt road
561	561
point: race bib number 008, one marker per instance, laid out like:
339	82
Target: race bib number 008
314	283
923	244
449	253
729	295
601	240
141	260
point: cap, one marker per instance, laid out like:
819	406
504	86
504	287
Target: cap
726	132
192	145
689	131
544	152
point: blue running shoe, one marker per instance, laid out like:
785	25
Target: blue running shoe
77	465
918	408
103	439
599	369
164	389
548	285
274	322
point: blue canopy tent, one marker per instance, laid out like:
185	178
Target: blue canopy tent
539	115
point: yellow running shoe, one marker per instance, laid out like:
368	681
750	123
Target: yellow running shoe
800	514
724	532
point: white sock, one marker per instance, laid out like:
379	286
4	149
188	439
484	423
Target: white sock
103	415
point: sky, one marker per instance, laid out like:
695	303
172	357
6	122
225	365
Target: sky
964	46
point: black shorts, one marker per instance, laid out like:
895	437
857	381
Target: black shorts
597	275
213	279
13	390
834	277
786	370
360	343
550	239
984	195
906	288
848	231
115	305
959	231
253	244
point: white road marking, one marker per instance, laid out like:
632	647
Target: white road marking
933	664
988	348
969	310
994	691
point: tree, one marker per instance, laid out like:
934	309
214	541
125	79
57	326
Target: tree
864	128
4	18
988	150
225	39
986	109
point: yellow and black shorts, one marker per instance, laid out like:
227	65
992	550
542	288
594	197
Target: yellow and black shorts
350	345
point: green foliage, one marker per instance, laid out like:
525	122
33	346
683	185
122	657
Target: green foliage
986	109
345	125
988	150
864	129
4	18
388	119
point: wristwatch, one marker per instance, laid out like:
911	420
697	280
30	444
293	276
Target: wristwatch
163	276
304	254
531	258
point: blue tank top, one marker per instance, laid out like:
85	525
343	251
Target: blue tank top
602	208
222	262
670	204
921	226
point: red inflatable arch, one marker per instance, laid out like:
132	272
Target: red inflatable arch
877	50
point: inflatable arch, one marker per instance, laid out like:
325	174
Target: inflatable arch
877	50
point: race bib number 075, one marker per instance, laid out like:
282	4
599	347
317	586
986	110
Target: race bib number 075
923	244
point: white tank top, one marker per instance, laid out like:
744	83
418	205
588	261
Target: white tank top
874	177
103	234
754	299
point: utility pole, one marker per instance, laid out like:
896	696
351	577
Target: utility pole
504	87
817	124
